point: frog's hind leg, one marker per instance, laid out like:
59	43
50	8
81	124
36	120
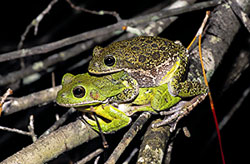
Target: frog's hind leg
109	117
179	111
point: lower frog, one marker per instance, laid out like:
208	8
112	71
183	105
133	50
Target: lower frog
113	117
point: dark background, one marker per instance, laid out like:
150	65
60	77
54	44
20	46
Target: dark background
62	21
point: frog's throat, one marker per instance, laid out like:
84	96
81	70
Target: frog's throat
170	73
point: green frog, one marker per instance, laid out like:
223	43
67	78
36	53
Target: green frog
113	88
152	61
109	102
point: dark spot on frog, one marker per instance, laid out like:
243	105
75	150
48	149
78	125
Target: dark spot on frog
154	45
166	43
142	39
162	48
123	46
135	48
142	58
149	41
156	55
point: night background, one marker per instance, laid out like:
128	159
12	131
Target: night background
230	93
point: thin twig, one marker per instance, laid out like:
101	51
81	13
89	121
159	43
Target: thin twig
15	130
90	156
127	138
52	60
104	141
35	23
3	98
32	128
132	154
101	12
104	30
54	144
59	122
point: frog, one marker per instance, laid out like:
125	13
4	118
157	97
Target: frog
151	60
113	88
114	115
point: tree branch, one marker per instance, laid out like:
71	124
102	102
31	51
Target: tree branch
101	31
52	145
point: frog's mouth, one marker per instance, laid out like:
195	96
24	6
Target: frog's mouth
104	72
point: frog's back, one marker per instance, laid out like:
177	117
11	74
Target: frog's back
146	52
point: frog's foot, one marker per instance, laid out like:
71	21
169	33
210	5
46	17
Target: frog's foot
182	109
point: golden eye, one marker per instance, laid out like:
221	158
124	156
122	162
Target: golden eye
79	92
109	60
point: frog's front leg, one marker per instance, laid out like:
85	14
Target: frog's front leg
178	111
187	88
109	117
176	85
128	94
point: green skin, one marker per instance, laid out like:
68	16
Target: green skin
111	89
152	61
85	90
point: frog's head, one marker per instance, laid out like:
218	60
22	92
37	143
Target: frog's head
108	59
79	91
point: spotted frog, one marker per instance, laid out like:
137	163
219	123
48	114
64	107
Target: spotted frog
152	61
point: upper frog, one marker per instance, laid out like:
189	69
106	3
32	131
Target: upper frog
117	87
152	61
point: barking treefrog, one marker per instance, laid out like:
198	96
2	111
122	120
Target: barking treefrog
152	61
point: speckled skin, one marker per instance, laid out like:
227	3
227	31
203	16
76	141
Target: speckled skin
152	61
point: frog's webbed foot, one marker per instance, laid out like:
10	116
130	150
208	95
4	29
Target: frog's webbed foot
174	115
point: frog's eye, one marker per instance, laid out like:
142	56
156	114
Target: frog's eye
79	92
109	60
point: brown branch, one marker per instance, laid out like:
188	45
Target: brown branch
49	147
41	97
154	144
52	60
104	30
240	13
